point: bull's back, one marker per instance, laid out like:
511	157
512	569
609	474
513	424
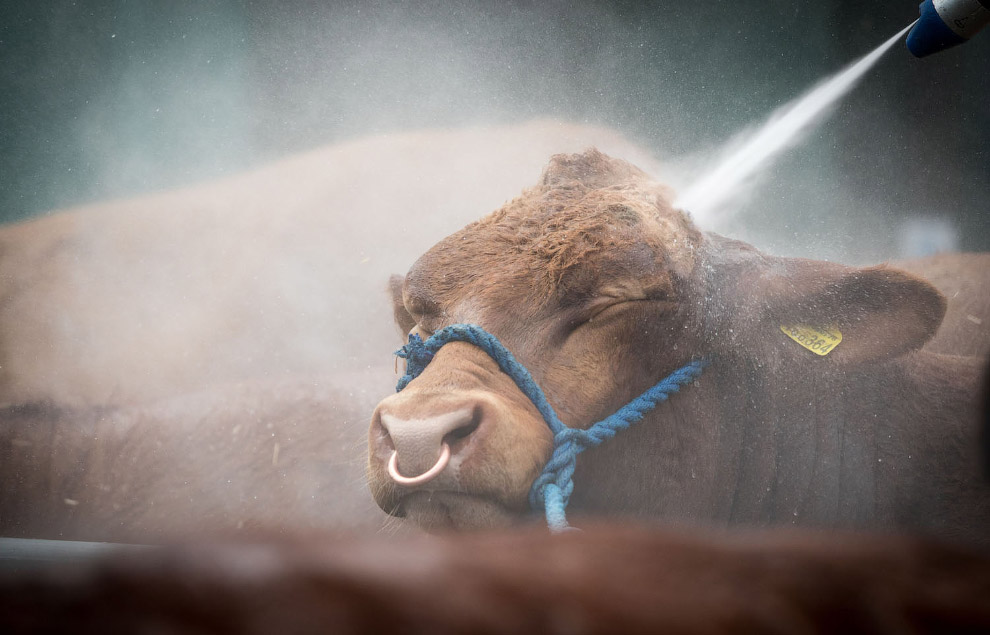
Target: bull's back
964	280
234	460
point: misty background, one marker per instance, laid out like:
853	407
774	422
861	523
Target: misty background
108	99
257	170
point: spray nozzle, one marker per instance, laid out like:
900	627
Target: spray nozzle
946	23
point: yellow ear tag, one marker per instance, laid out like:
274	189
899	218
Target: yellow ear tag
820	341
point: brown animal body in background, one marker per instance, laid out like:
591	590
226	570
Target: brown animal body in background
964	279
604	580
231	460
145	344
268	274
601	289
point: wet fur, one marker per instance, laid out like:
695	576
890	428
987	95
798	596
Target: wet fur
879	433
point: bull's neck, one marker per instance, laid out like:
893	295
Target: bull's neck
792	454
731	450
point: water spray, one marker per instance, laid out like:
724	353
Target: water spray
946	23
752	152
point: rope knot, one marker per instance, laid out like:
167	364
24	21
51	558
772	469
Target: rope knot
417	356
571	436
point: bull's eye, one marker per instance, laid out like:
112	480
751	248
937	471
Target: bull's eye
594	315
604	313
608	310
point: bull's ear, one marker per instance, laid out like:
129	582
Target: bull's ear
403	320
812	310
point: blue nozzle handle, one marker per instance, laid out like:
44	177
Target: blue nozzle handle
946	23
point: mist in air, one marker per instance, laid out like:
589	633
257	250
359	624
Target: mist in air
113	99
247	175
726	180
202	203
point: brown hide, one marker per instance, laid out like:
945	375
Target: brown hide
600	289
605	580
985	433
262	275
262	456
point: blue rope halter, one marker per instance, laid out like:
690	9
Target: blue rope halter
553	487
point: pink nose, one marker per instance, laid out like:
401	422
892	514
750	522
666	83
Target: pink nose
423	445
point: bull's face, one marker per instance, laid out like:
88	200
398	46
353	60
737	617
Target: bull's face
601	289
585	285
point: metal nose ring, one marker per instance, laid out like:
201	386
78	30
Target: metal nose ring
393	468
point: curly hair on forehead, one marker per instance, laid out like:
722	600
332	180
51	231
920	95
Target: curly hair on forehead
585	205
570	238
562	230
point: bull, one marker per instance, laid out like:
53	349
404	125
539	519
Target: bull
818	407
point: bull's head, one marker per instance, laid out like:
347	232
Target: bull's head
600	288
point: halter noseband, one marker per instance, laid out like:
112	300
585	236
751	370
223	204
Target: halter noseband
553	487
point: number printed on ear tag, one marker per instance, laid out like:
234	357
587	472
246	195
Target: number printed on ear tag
820	341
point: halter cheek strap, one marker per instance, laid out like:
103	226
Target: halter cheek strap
552	489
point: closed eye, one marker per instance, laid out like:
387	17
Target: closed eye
599	313
602	313
591	313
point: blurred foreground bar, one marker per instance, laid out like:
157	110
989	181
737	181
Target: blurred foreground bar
24	554
608	579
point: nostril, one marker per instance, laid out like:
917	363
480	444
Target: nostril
380	432
458	437
413	447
